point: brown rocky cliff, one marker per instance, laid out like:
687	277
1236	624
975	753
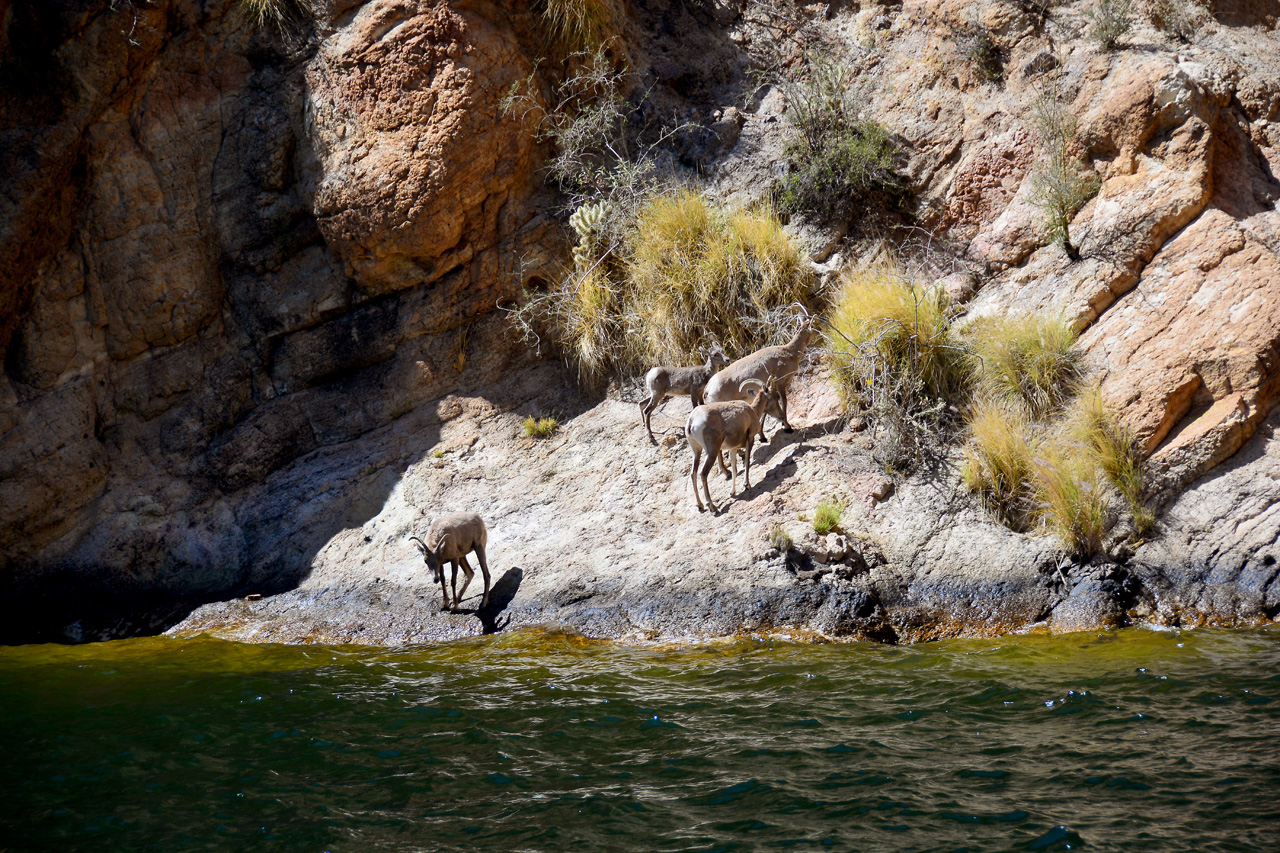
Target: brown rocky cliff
242	273
224	248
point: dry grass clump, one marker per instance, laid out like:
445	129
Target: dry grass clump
1031	360
1112	444
894	357
998	460
577	26
694	268
1054	473
1069	496
280	14
683	275
1108	21
883	322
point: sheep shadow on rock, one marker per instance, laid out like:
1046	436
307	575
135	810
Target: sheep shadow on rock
500	596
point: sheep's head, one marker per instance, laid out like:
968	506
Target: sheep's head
431	558
772	396
716	357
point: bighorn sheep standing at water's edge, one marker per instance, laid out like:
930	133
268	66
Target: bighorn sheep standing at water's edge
713	427
663	382
778	363
450	538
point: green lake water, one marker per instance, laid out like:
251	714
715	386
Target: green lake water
1137	740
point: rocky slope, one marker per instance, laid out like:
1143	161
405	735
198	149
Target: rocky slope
249	288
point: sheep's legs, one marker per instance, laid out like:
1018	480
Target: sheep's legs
444	589
646	412
706	469
484	567
693	477
470	573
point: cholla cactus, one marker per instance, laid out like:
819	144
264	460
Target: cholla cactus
590	221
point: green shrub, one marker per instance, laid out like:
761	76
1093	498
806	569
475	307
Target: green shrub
1180	18
540	427
1061	183
841	162
779	539
973	44
826	516
1031	360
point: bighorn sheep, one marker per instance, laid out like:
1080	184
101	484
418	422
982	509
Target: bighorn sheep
730	426
450	538
778	363
663	382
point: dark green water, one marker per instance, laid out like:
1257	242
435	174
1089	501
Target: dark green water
1140	740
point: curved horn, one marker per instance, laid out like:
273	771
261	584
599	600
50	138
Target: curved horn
748	384
422	546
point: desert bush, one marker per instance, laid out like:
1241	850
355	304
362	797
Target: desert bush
685	274
998	459
973	43
1061	183
1180	18
539	427
1108	21
841	161
1030	360
826	516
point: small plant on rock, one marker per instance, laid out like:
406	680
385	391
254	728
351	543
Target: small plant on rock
578	25
540	427
779	539
974	44
826	516
1061	183
1108	21
1182	19
283	15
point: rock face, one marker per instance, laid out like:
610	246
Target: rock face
226	248
248	284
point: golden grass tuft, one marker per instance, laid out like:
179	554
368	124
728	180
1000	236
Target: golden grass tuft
686	275
696	269
998	459
579	26
1095	427
281	14
1069	496
1029	359
879	312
